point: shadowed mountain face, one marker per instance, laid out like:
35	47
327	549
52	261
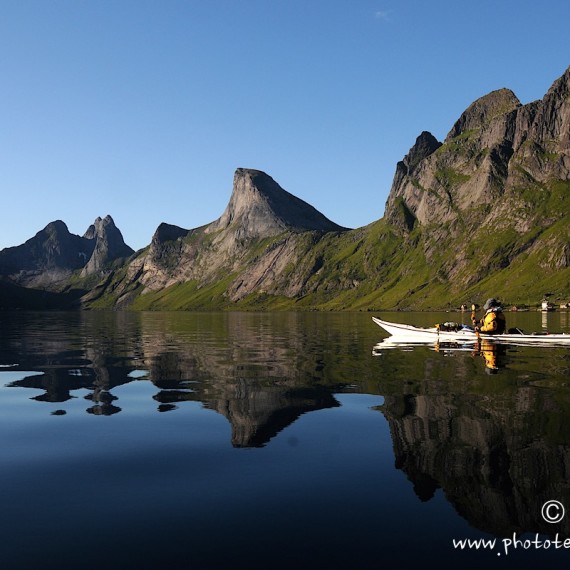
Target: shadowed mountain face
485	209
53	254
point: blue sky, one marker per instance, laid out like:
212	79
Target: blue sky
143	109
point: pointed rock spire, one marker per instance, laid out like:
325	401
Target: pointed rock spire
259	207
425	145
109	245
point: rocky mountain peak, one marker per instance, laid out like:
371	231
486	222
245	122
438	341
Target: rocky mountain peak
91	232
109	245
425	145
552	120
53	253
47	257
98	227
168	232
561	87
483	111
259	207
56	228
495	146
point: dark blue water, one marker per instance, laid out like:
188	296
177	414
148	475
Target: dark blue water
273	441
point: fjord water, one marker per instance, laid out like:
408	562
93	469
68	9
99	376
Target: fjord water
275	440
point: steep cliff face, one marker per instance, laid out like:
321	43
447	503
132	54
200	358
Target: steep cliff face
496	147
495	192
466	170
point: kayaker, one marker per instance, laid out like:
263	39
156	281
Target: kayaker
493	322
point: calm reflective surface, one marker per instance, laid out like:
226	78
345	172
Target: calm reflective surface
150	440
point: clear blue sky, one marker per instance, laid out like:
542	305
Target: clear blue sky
143	109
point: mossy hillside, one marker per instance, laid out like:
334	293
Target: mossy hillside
190	295
499	254
365	268
116	291
533	272
517	266
365	259
450	178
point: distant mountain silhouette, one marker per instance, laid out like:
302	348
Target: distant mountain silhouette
53	254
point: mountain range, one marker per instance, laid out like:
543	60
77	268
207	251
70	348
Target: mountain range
482	213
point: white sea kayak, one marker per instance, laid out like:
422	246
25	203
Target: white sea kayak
411	334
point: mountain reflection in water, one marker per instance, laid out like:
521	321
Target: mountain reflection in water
496	463
238	371
497	446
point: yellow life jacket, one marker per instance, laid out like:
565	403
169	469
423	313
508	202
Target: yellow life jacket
493	322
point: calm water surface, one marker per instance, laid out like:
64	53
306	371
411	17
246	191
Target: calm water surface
180	440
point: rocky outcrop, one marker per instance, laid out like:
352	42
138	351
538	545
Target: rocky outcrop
425	145
550	123
399	214
167	232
